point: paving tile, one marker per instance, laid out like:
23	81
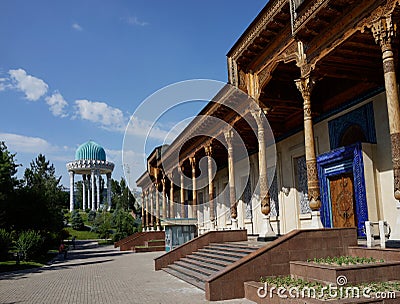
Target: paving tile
93	274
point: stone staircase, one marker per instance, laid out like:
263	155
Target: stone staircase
200	265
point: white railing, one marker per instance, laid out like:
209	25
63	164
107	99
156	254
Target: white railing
374	229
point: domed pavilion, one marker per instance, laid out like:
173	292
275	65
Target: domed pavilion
90	162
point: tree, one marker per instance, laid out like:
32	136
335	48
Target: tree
124	224
122	197
42	198
77	221
102	224
8	182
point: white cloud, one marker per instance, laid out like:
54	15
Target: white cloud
147	129
77	27
57	104
4	84
27	144
33	87
133	20
100	112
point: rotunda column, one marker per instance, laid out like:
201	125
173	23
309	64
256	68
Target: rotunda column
143	217
93	190
89	205
84	192
71	190
98	189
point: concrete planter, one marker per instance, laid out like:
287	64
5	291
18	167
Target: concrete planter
251	287
354	274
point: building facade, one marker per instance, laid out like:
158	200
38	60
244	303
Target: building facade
312	99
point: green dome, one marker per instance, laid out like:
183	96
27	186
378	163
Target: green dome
90	150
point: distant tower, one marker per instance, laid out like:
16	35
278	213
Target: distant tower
90	162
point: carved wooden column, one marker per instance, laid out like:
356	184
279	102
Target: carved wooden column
158	222
182	191
194	185
151	208
231	173
384	31
164	198
267	233
208	150
305	86
171	197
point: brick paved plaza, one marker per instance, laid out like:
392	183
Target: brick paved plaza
98	275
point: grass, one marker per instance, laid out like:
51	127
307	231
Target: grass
105	242
11	265
82	235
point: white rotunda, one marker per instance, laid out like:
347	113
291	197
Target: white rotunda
90	162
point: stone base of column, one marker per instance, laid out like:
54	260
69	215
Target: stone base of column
234	224
394	240
316	220
267	234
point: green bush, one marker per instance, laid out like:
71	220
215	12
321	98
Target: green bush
77	221
5	243
102	224
29	244
91	216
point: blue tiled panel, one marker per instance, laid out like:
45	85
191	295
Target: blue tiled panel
362	116
343	160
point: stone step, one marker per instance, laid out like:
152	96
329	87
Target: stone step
242	245
216	256
191	266
232	249
187	275
183	277
224	253
208	260
205	263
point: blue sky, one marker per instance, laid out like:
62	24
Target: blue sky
71	71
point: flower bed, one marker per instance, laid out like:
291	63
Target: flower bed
355	270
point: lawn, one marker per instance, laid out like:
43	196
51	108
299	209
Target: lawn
82	235
11	265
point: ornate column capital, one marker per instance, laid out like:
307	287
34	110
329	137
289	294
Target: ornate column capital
305	85
208	150
383	31
192	161
228	137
